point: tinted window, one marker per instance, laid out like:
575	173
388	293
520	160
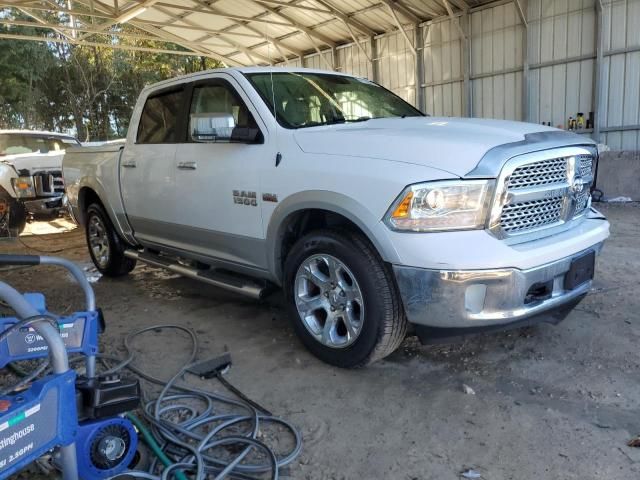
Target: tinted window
216	113
159	120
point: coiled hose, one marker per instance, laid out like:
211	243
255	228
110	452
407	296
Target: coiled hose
218	440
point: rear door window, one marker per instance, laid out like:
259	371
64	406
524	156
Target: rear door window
160	118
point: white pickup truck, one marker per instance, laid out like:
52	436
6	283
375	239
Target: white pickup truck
30	176
372	217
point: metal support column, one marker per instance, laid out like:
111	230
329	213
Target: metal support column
421	102
466	65
598	91
526	89
375	69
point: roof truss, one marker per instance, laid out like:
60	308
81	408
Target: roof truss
228	32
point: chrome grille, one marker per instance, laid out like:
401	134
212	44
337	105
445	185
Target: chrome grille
545	172
586	165
581	202
540	190
530	215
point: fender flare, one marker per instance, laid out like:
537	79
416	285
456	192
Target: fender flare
119	221
373	227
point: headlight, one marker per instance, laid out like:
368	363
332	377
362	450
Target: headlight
445	205
23	186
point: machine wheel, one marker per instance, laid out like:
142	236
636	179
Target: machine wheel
105	245
343	299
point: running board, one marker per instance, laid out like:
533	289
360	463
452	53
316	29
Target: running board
237	284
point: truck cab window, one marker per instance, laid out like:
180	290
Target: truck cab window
217	114
158	123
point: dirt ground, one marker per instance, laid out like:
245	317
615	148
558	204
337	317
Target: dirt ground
549	402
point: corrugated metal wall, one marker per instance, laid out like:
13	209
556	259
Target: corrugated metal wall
351	59
443	69
496	62
561	59
397	65
562	43
621	108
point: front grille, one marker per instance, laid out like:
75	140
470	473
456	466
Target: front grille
545	172
520	217
48	184
544	193
586	165
581	202
58	182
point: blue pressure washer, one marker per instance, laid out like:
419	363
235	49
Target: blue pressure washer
77	419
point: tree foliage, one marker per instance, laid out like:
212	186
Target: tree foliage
88	90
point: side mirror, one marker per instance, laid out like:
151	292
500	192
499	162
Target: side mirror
247	135
211	127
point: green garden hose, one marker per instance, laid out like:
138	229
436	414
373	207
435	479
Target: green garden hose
151	442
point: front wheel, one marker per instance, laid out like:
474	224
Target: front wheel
15	215
343	299
105	245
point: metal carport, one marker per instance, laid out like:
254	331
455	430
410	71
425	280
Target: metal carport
535	60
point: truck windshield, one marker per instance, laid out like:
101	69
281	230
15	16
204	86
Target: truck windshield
311	99
20	143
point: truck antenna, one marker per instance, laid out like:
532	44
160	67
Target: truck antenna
273	96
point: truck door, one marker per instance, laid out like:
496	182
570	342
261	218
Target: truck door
217	175
147	169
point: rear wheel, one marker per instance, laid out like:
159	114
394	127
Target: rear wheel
343	299
105	245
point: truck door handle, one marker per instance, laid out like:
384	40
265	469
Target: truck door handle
187	165
129	164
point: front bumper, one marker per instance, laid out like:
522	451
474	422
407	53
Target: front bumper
485	299
44	205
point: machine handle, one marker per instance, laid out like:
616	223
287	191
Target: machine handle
59	358
76	271
19	260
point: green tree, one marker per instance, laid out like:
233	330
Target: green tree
88	90
23	72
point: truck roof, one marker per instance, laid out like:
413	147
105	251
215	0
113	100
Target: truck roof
244	70
36	132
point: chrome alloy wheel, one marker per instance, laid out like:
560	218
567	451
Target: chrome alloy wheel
329	301
99	241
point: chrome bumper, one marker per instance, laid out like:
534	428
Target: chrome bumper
483	298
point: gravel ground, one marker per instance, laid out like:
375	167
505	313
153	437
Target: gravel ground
543	402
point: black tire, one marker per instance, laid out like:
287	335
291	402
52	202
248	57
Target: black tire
384	325
16	219
115	264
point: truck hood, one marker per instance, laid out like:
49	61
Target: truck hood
35	162
455	145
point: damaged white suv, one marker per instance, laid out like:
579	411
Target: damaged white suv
373	217
30	175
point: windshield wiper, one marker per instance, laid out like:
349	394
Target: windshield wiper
334	121
346	120
359	119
